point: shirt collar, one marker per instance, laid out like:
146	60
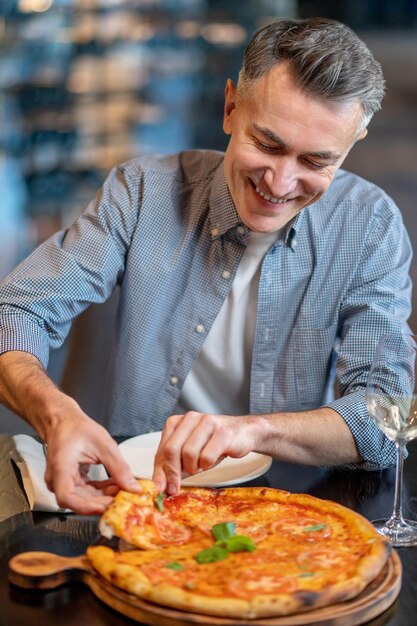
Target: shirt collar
224	217
223	214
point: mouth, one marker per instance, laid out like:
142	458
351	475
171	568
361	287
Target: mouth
271	199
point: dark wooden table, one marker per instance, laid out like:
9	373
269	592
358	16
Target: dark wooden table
371	494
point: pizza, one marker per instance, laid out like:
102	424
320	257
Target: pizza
244	552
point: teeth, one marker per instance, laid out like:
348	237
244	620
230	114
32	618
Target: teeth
270	198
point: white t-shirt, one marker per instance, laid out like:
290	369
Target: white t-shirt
219	381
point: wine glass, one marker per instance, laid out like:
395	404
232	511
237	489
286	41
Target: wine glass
391	400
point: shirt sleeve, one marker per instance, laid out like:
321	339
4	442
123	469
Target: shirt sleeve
377	302
69	271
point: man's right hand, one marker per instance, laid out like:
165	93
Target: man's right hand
74	445
74	441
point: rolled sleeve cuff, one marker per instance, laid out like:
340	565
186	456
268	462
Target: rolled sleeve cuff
374	447
19	332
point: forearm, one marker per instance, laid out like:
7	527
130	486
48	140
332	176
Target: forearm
26	389
197	441
74	440
318	437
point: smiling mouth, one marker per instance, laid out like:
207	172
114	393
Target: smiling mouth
270	198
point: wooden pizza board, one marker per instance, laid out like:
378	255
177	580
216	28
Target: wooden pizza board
44	570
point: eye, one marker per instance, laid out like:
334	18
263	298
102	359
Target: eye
314	166
265	147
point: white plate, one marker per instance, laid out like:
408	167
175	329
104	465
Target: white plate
139	452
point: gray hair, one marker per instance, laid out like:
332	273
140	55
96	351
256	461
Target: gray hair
327	58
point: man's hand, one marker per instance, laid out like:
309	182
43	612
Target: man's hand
74	441
195	442
72	447
190	443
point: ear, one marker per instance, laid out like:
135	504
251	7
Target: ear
363	134
229	106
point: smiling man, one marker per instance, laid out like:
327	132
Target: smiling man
248	279
285	146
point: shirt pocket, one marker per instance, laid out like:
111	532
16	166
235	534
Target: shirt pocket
314	364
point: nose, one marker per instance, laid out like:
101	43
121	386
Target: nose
281	176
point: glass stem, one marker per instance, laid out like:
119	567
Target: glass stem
398	513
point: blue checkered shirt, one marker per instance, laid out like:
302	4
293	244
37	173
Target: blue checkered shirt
166	231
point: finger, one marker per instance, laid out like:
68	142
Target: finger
111	490
87	503
220	445
158	476
212	464
66	484
72	492
196	443
213	452
101	484
169	454
170	426
107	487
118	470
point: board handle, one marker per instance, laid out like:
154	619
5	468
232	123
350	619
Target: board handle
44	570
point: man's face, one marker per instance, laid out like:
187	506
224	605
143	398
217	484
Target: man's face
285	147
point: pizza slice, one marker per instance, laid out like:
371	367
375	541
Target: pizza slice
150	520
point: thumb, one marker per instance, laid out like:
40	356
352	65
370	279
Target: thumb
119	471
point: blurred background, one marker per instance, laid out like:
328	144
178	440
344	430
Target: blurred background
87	84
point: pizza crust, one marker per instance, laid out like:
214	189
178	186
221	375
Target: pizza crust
129	578
358	552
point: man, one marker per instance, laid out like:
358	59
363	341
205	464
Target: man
242	277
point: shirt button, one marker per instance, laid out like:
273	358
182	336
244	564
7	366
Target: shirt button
240	230
226	274
294	242
173	380
199	328
215	232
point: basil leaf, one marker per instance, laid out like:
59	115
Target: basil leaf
224	530
312	529
239	543
210	555
159	501
174	565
